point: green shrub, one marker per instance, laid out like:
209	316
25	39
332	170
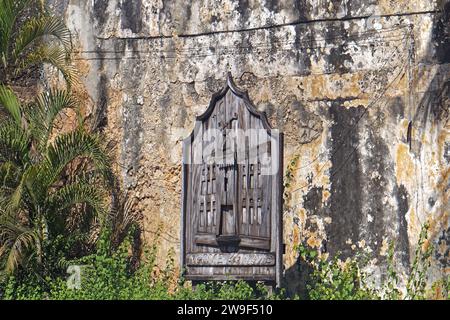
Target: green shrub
334	279
417	280
440	289
108	275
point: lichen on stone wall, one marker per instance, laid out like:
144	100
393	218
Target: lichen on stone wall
360	89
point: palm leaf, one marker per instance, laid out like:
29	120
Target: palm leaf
10	11
36	28
14	143
17	195
121	218
25	191
53	55
8	174
33	45
78	193
44	112
10	103
7	18
24	197
17	242
68	147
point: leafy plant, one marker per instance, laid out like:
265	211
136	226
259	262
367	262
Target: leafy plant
29	37
417	280
334	279
440	289
108	275
46	208
391	285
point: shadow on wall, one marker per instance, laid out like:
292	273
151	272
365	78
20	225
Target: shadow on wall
345	208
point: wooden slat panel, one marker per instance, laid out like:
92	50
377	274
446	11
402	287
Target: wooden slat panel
254	228
258	224
255	242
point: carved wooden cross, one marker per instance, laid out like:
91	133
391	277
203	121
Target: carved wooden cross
223	127
226	168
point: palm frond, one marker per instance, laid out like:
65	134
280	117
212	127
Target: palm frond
36	28
121	218
7	18
43	113
78	193
68	147
23	198
10	11
8	175
17	242
14	143
17	195
53	55
10	103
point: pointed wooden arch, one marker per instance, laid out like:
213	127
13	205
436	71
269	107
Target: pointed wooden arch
255	213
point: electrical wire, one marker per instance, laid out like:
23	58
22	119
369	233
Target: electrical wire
273	26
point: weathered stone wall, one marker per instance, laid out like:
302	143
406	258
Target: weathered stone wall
359	87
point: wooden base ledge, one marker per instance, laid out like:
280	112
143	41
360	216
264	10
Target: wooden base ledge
230	259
